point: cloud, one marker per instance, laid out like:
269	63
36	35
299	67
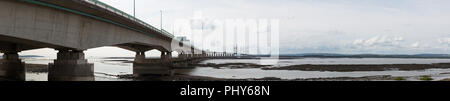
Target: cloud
308	25
415	45
444	41
379	41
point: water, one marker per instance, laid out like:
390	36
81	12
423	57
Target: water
108	66
115	67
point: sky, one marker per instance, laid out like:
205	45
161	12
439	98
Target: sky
313	26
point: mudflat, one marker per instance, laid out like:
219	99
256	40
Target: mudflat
352	68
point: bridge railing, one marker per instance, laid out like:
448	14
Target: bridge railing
126	15
164	31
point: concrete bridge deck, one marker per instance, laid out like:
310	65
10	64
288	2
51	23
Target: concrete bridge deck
72	26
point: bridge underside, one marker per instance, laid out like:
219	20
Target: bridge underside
25	26
71	64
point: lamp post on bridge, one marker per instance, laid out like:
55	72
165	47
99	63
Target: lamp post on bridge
161	20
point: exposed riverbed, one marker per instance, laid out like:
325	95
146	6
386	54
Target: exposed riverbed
307	69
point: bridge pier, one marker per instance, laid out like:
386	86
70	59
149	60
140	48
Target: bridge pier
143	66
166	57
11	67
70	65
181	56
140	57
182	60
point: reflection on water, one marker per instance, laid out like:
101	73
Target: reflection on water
43	77
108	66
118	67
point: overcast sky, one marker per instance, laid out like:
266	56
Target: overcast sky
311	26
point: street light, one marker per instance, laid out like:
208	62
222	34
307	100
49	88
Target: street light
161	20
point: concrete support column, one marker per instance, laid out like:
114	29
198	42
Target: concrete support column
188	56
70	65
140	57
185	56
169	56
163	56
181	56
161	67
166	56
11	67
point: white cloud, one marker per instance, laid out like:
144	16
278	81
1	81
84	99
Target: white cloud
444	41
415	45
379	41
358	42
421	21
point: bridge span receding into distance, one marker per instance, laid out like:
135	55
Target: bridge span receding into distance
72	26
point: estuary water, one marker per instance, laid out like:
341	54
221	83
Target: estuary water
118	67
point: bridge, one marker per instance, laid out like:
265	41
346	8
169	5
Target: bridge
72	26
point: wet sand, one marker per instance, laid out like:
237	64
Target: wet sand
38	68
123	61
448	79
352	68
200	78
232	65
